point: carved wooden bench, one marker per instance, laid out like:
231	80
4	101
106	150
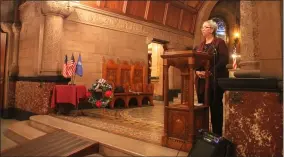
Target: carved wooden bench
111	75
129	77
138	83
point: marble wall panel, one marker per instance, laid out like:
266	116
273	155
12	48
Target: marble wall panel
254	123
33	96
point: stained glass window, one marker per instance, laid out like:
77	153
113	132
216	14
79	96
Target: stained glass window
221	30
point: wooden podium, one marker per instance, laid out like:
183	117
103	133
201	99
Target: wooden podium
182	121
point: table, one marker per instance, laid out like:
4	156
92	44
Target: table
68	94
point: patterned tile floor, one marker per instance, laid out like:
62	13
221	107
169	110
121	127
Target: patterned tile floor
143	123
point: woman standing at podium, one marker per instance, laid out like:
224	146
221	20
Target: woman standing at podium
218	48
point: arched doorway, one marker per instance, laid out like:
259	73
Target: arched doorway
155	50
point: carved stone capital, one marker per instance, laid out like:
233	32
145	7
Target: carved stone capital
29	10
6	27
60	8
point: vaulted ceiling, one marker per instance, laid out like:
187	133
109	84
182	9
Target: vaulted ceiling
179	15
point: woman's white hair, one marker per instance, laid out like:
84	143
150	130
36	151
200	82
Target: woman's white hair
213	25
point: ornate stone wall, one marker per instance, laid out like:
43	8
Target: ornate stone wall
94	33
118	22
30	43
95	43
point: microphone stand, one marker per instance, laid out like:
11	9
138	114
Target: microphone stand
214	71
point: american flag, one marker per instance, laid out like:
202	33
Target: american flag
235	63
64	72
234	57
71	66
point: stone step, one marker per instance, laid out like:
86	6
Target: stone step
58	143
110	144
22	132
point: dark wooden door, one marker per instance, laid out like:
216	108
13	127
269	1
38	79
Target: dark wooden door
2	74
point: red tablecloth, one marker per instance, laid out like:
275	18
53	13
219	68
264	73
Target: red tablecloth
68	94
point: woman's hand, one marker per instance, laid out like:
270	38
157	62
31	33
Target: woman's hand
203	74
200	74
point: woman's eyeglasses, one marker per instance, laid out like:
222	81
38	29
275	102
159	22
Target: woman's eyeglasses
205	27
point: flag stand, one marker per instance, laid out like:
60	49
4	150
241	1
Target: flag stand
72	82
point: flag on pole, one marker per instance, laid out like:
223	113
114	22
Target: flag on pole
64	72
235	63
71	66
79	67
235	57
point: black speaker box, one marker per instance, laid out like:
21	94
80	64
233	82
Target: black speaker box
211	145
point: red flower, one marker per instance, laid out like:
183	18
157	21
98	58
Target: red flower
88	94
108	93
98	104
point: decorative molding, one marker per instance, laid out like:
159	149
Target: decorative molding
100	18
59	8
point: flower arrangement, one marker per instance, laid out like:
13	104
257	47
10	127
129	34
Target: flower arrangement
100	85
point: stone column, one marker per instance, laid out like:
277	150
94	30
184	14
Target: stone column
14	68
54	12
270	39
7	28
249	46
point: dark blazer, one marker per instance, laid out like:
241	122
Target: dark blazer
222	59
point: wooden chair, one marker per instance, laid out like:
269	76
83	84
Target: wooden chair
138	83
111	75
125	81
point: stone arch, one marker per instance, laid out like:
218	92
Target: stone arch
203	14
230	18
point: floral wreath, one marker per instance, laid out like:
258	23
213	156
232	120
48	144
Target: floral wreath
100	85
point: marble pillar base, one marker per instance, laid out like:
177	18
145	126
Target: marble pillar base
254	123
253	116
